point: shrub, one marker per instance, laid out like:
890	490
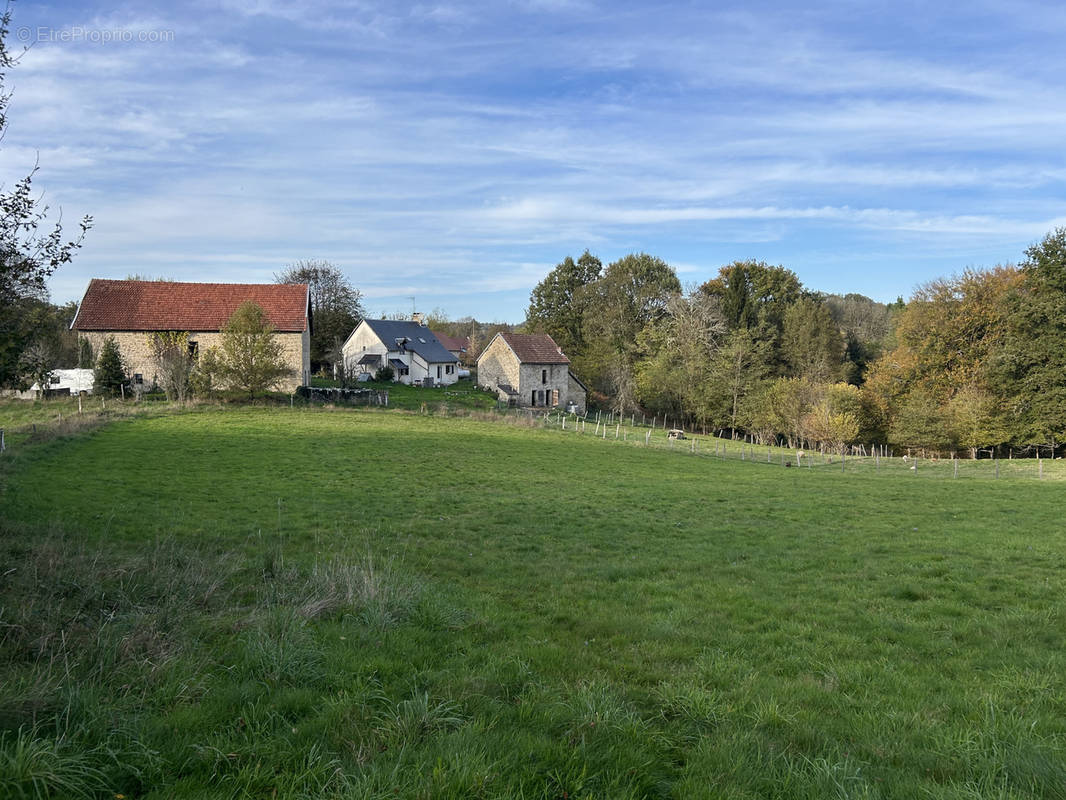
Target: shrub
384	374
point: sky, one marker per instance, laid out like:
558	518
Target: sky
454	153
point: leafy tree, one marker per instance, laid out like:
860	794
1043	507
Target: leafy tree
754	293
831	425
251	355
781	406
557	303
673	377
30	248
1030	373
922	422
207	373
336	305
170	351
736	372
811	343
976	419
868	328
633	293
952	334
110	374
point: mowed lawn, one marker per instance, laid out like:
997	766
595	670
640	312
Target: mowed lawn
337	603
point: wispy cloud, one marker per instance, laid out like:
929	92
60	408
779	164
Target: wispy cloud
460	149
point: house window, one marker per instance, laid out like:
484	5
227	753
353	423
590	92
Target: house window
449	369
438	371
194	350
55	379
138	378
533	398
544	376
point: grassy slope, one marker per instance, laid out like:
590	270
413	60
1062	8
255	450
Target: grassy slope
565	615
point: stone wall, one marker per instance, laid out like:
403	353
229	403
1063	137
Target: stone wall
295	352
497	364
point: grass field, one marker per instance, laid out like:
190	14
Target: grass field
250	602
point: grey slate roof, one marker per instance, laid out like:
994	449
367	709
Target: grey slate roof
420	339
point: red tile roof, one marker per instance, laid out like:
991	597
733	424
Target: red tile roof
535	348
166	306
452	342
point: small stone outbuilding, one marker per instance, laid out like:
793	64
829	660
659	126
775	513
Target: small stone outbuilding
131	310
531	371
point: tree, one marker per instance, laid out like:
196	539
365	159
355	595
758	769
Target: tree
1030	372
207	373
110	374
633	293
737	370
170	351
31	249
976	419
677	351
811	344
754	293
336	305
251	354
38	363
557	303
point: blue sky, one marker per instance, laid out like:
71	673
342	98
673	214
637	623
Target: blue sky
457	151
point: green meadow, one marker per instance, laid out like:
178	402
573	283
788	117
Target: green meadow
305	603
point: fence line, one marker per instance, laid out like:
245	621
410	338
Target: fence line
856	460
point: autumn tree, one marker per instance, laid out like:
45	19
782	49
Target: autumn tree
834	419
251	356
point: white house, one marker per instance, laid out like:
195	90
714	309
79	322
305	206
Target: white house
410	348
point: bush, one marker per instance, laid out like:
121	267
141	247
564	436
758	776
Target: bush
384	374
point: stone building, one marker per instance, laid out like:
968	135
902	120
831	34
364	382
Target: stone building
132	310
530	370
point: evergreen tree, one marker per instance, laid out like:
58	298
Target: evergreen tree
110	373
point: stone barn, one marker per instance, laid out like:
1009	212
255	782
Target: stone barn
531	371
131	310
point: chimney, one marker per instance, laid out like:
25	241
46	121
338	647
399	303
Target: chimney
419	317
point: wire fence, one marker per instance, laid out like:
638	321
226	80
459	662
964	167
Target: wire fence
69	417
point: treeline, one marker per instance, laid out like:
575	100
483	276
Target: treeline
970	363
